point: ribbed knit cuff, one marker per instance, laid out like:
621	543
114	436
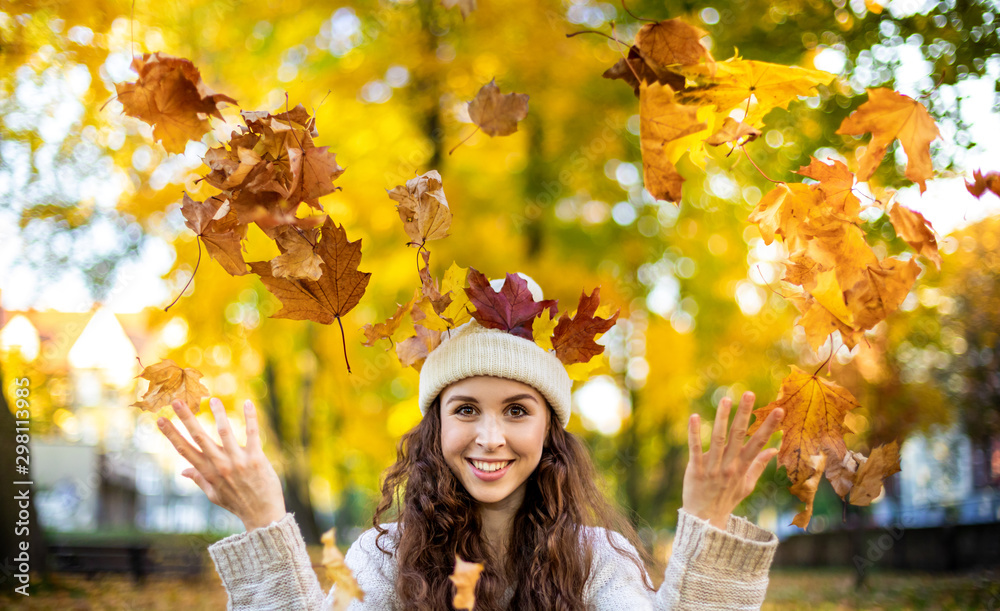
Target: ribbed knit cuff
743	547
254	553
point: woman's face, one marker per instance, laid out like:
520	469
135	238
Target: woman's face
492	433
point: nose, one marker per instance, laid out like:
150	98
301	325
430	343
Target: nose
490	434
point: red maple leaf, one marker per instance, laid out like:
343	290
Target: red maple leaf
513	309
573	338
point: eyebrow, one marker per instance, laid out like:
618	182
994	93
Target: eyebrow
469	399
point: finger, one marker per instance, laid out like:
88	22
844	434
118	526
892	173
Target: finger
718	443
764	433
739	430
758	466
198	479
222	423
694	442
208	447
187	451
253	431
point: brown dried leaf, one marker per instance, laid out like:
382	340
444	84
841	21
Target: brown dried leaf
883	462
168	383
497	114
916	230
573	338
980	184
170	96
806	489
662	121
298	258
732	131
423	208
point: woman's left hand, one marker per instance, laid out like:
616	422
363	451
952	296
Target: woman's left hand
716	481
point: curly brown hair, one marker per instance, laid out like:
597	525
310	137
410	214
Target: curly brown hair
548	558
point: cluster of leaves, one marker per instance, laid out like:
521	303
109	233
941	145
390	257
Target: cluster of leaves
687	100
418	326
267	172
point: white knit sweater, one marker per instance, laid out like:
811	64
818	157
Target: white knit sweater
269	568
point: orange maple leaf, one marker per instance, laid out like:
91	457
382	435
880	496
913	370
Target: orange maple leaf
465	576
385	330
885	287
733	131
814	420
836	183
167	383
889	115
170	96
916	231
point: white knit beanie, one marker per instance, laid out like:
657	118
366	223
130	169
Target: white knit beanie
475	350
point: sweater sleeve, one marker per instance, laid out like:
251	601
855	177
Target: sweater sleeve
268	568
714	570
708	570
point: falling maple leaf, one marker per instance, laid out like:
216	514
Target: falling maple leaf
806	489
466	6
783	211
495	113
842	471
168	383
385	330
465	576
512	309
886	286
889	115
733	131
573	338
298	258
657	47
836	183
423	208
741	83
170	96
883	462
663	122
219	230
916	231
980	184
334	294
814	419
346	586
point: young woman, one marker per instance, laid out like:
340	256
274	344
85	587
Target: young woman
491	475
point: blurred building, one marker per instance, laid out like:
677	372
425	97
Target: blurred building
97	463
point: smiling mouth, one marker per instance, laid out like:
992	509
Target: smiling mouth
491	466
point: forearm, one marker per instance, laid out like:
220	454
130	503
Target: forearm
714	569
268	568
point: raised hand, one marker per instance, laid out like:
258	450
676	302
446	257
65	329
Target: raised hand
239	479
716	481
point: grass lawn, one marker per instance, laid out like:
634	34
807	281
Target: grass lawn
815	590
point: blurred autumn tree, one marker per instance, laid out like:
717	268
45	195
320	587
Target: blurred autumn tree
560	200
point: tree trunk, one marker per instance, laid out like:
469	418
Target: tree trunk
297	497
12	540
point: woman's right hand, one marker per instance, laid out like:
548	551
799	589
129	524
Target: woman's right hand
239	479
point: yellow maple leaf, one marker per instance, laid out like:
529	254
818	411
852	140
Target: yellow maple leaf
169	382
346	587
889	115
916	231
737	81
814	419
883	462
806	489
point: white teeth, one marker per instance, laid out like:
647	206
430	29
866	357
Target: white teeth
490	466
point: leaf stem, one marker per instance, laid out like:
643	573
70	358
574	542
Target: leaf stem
190	280
620	52
823	364
743	147
463	141
571	35
635	17
343	342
